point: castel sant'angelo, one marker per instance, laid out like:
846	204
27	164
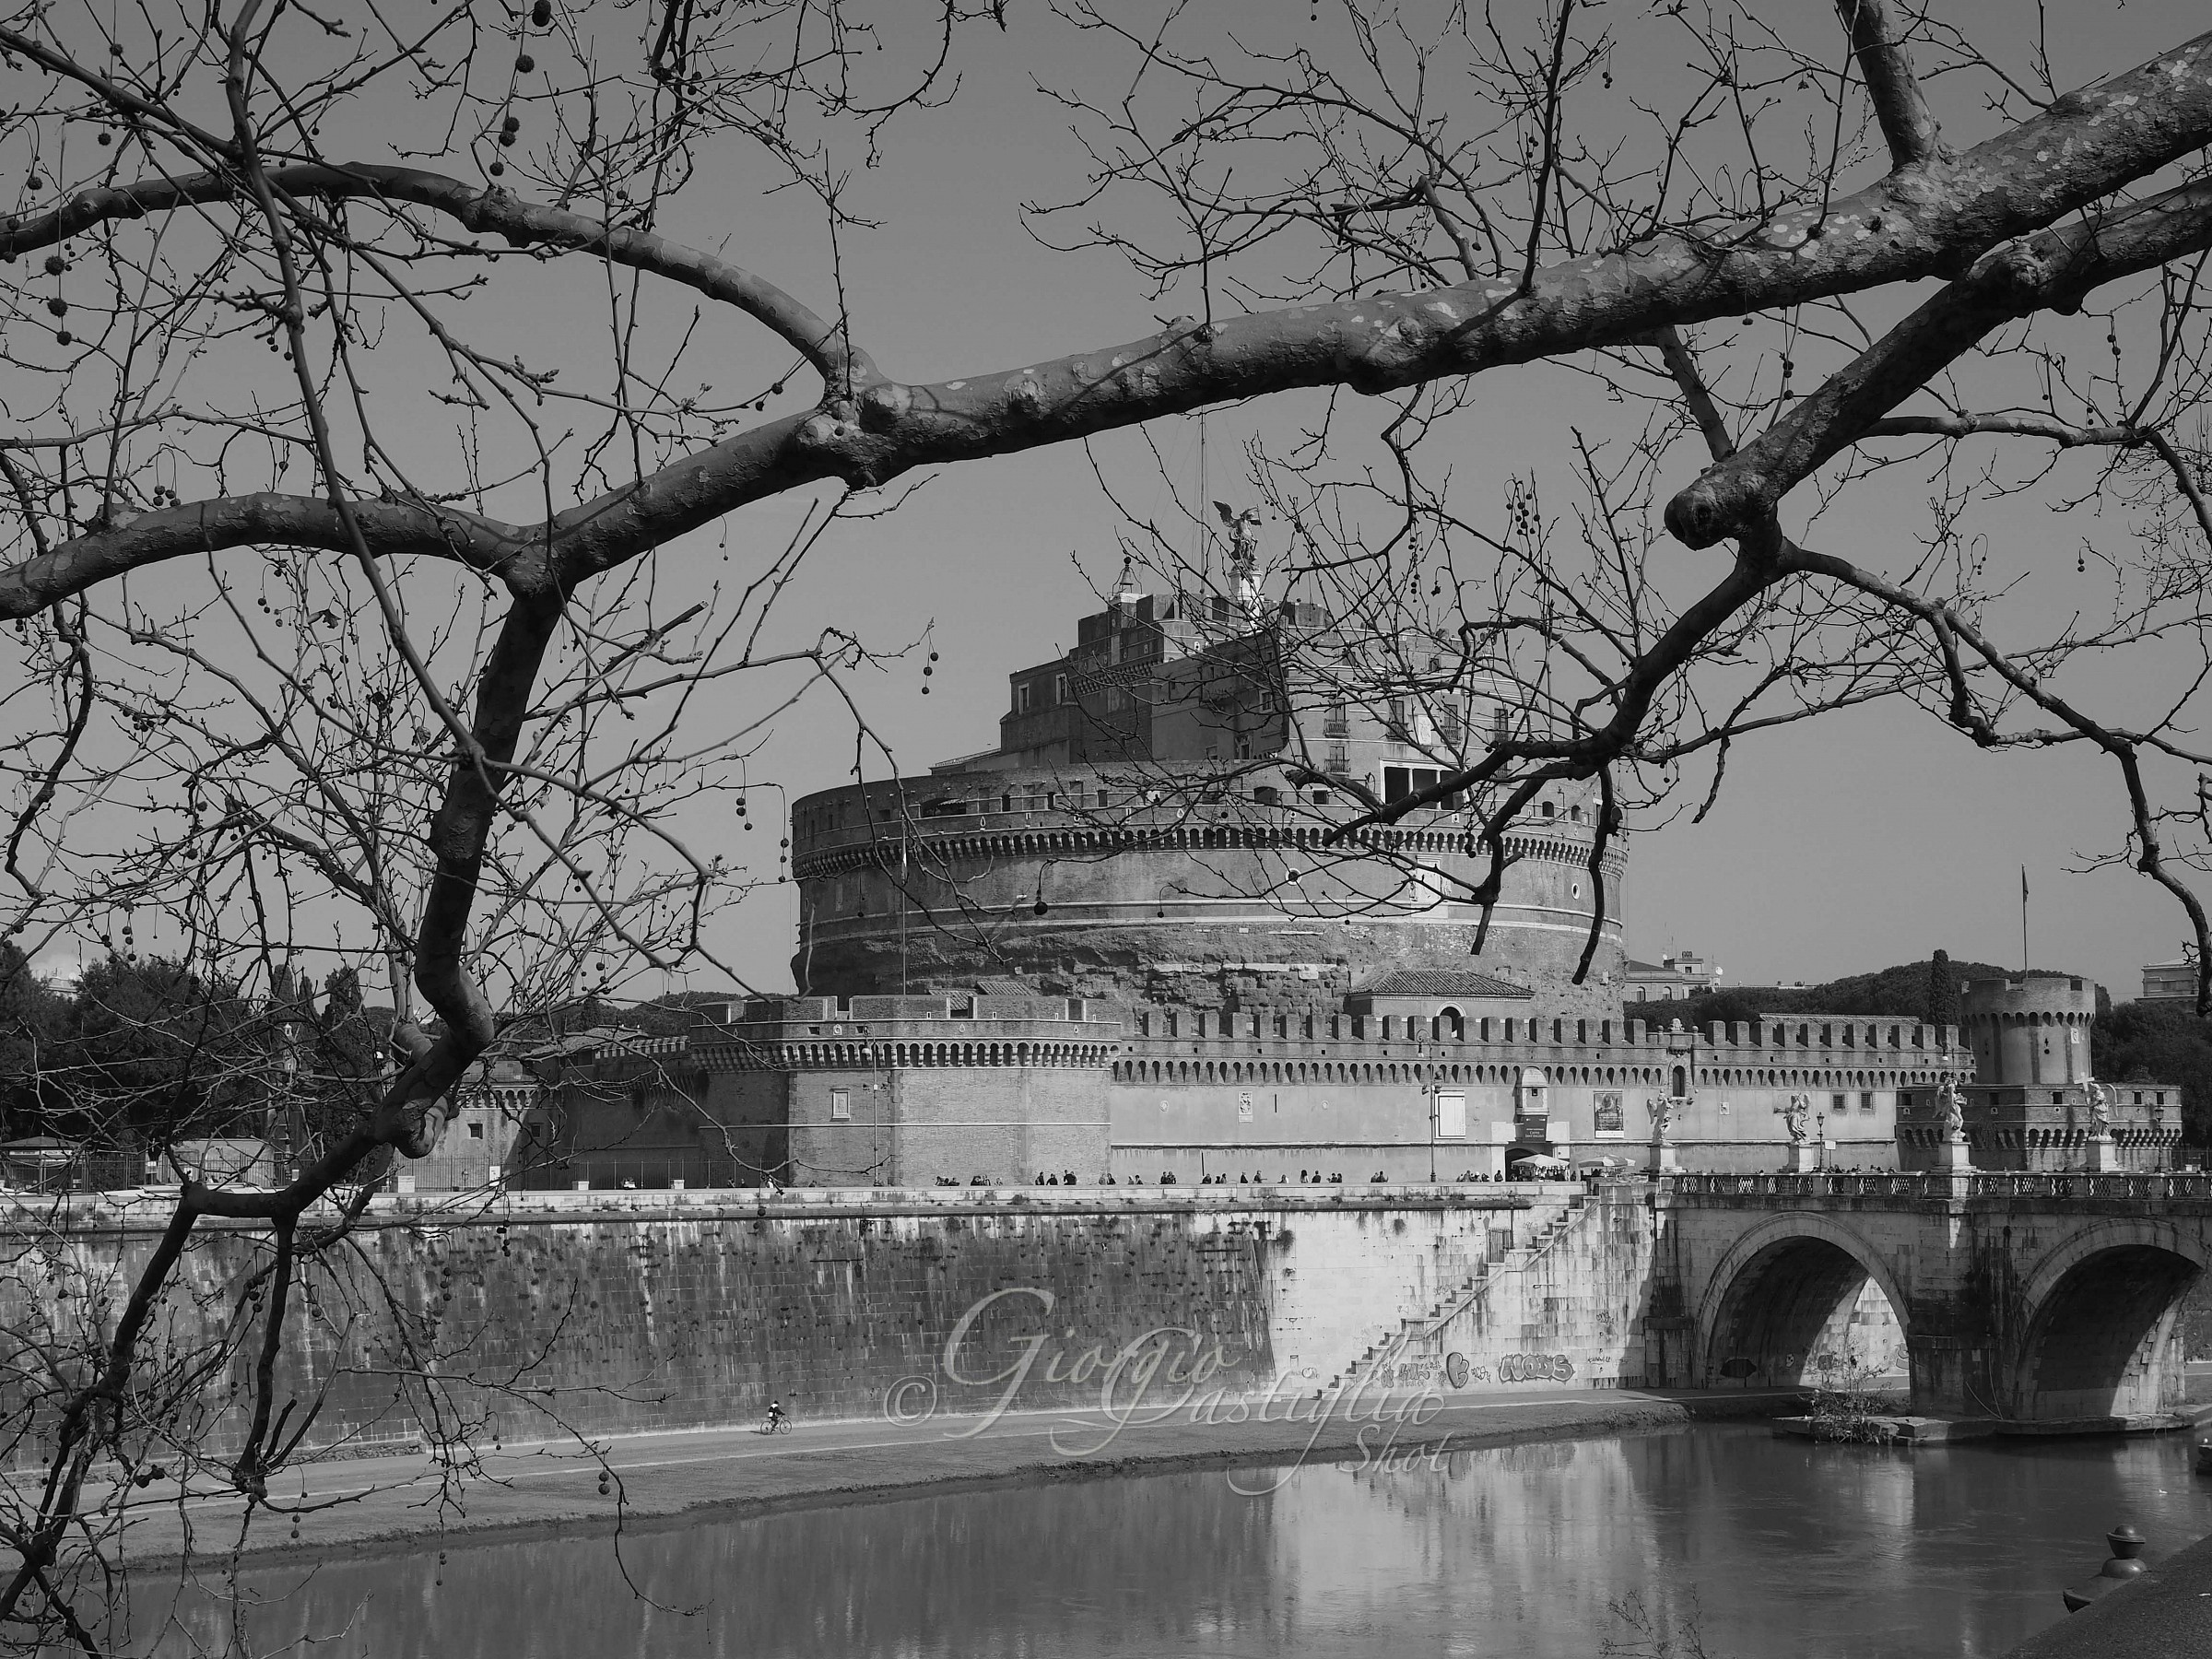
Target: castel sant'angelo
1125	941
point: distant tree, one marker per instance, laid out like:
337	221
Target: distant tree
1943	991
2160	1043
1904	991
33	1019
343	1063
155	1053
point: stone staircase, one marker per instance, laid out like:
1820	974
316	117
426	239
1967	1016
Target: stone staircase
1412	1353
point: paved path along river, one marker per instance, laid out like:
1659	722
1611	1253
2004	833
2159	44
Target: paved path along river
408	1503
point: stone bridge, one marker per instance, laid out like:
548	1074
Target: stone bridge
2039	1300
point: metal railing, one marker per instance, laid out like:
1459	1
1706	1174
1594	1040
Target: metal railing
2055	1187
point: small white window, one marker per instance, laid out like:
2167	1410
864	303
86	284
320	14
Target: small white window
840	1105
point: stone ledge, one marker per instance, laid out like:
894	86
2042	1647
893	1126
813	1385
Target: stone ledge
148	1210
2164	1614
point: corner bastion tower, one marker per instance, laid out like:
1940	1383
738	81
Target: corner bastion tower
1128	942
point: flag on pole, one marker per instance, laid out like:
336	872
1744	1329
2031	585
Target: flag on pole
2023	884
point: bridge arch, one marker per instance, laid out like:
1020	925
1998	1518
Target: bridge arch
2098	1315
1783	1293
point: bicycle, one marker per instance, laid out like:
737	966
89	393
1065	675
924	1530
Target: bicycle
775	1423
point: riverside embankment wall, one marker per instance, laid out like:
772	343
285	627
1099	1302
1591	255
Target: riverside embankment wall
666	1310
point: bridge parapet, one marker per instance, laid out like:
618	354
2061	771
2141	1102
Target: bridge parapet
2190	1191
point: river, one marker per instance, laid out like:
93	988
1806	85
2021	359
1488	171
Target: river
1763	1545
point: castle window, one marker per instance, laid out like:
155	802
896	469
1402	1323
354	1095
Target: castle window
475	1132
1059	688
1021	697
1105	799
1399	782
840	1105
1574	814
1320	797
1551	810
1866	1099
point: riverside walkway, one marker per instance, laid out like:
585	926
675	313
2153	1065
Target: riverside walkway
408	1503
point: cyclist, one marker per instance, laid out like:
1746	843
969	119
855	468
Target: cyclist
775	1416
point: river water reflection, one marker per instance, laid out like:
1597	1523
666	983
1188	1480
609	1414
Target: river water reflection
1774	1546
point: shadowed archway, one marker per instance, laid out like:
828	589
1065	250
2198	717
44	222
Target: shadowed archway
2101	1340
1795	1302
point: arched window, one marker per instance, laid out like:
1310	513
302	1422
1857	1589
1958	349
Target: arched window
1681	1082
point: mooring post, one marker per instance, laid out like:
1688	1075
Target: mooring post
2127	1562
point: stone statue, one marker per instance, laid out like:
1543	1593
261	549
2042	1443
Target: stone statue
1792	1118
2100	1110
1243	533
1663	1114
1954	1110
1243	554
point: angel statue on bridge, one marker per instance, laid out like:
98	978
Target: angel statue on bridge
2100	1110
1953	1103
1793	1116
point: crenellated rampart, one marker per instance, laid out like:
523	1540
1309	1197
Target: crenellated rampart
920	1089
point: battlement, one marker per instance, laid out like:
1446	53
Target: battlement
1129	807
2036	997
842	1016
1807	1039
1835	1035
